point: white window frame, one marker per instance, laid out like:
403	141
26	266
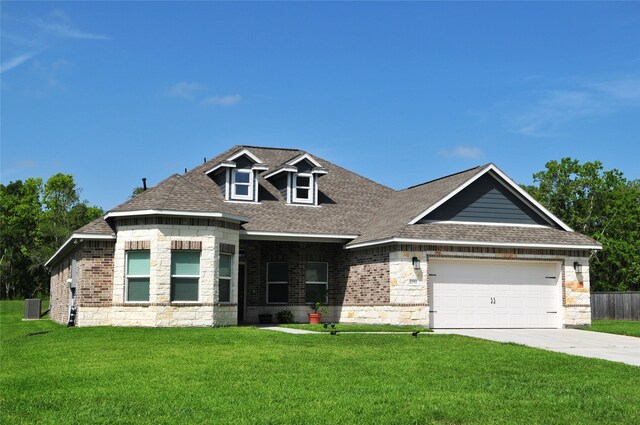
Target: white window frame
135	276
250	184
229	278
277	282
295	187
188	276
326	284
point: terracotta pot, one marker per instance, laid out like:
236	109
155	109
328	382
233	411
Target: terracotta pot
314	318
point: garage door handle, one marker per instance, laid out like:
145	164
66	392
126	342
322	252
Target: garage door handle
552	312
432	311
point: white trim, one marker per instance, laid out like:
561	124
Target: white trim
247	153
250	184
310	188
471	243
306	156
88	236
286	236
489	223
127	276
512	185
242	202
176	213
227	184
260	167
222	164
230	277
290	169
319	171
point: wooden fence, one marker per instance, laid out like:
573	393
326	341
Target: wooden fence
615	305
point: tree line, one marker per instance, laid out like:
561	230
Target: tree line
36	218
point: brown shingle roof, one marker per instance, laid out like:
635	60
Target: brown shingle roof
96	227
494	234
176	193
347	200
404	205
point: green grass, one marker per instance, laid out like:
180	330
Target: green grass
251	376
347	327
620	327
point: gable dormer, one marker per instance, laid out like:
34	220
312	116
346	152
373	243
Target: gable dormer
297	180
237	176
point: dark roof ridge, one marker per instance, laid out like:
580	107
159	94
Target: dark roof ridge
447	176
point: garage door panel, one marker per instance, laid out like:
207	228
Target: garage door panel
493	294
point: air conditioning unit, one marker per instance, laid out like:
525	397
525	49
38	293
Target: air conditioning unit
32	309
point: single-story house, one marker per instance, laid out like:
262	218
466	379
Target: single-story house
258	230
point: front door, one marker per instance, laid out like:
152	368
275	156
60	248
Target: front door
241	292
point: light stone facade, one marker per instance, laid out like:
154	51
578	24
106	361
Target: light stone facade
160	311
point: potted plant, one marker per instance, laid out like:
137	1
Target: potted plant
318	310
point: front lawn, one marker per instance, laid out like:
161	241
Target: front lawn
620	327
252	376
347	327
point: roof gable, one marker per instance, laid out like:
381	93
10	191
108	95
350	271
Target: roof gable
508	183
487	200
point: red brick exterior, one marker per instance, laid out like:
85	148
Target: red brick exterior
95	273
355	278
94	267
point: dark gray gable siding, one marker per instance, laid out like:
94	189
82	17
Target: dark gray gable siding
486	200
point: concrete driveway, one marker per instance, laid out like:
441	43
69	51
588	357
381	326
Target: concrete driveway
617	348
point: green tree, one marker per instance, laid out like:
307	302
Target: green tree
603	205
35	219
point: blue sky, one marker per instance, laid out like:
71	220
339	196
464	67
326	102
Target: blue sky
399	92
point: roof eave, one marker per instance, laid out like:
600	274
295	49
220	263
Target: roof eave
176	213
470	243
74	237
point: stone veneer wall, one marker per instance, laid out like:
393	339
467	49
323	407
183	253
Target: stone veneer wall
574	288
160	238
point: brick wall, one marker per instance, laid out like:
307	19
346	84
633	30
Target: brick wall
355	278
95	273
60	289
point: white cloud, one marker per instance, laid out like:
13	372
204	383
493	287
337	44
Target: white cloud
462	152
64	30
185	90
628	88
549	111
223	100
15	61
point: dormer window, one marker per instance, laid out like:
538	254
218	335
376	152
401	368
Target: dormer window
242	184
303	188
237	176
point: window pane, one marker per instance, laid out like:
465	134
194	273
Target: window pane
278	272
225	266
317	272
138	289
185	263
224	290
302	181
138	263
278	293
184	289
316	292
242	177
242	190
302	193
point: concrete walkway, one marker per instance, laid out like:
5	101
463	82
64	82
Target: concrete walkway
287	330
617	348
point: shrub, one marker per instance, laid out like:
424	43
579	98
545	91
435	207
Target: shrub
284	316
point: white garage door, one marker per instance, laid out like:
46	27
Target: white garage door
494	294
